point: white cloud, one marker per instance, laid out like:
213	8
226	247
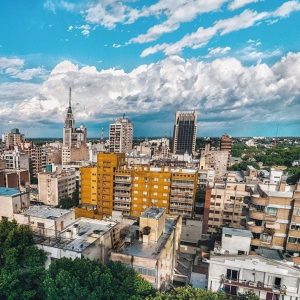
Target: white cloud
84	29
218	51
235	4
14	67
176	12
202	36
223	90
50	5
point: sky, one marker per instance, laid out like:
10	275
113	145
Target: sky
236	62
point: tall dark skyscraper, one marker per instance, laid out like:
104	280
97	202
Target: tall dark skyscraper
185	131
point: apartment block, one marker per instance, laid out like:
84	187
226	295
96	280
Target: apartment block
150	187
224	204
120	136
13	138
274	217
132	189
151	248
15	159
53	187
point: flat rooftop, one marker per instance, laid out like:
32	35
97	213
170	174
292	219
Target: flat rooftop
88	232
45	212
8	192
270	190
153	213
237	232
150	250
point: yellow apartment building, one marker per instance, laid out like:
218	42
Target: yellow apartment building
111	185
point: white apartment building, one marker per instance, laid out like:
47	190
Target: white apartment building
266	274
120	136
53	187
14	159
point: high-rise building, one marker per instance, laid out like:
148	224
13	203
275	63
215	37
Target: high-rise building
226	143
74	139
13	138
185	132
114	186
121	135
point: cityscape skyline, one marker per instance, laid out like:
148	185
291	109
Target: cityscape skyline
235	62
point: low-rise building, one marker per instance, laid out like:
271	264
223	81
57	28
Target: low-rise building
45	220
12	201
85	238
151	247
53	187
266	273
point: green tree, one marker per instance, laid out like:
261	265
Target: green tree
22	263
86	279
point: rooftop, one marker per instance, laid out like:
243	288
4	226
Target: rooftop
45	212
269	253
153	213
8	192
151	249
237	232
88	232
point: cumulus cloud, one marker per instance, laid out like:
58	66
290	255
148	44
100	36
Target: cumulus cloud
202	36
223	90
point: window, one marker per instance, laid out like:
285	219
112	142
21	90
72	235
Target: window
295	226
165	187
228	235
297	211
277	282
266	238
271	211
230	289
294	240
232	274
218	196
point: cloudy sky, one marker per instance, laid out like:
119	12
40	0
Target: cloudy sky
237	62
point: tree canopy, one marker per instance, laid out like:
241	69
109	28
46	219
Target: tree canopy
23	276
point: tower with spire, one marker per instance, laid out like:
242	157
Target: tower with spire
69	123
74	139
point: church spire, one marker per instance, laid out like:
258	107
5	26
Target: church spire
70	101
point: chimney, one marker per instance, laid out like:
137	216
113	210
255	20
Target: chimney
75	229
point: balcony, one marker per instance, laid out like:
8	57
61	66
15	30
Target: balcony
180	184
256	285
181	207
261	215
293	247
260	243
253	228
258	200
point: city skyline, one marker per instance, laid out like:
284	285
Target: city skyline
234	62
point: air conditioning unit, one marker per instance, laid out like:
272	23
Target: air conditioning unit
251	283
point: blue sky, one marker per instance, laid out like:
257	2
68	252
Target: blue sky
234	61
